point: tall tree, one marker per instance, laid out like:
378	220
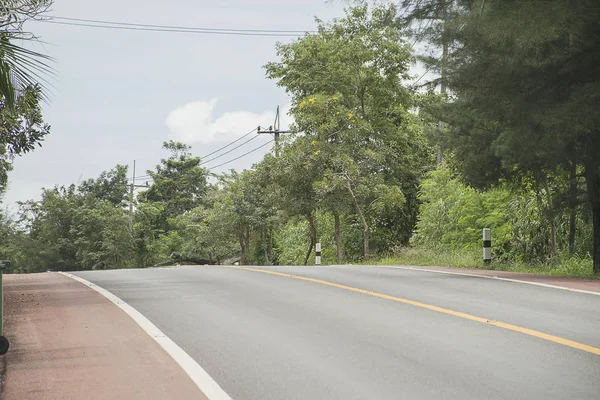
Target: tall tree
295	172
179	182
50	222
352	109
430	22
525	76
110	186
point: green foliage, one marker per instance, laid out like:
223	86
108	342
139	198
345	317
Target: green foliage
566	266
110	186
452	215
360	148
72	228
178	182
516	118
20	67
292	236
524	77
22	129
291	239
102	236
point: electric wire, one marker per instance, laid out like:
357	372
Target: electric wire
131	28
229	151
96	21
226	146
243	155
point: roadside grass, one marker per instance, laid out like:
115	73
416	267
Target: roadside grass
564	266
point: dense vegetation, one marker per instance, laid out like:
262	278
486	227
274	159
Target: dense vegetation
378	165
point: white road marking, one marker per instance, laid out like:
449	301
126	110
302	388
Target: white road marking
201	378
492	277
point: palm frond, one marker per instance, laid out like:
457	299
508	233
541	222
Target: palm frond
20	68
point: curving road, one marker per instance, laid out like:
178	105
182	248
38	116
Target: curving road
371	332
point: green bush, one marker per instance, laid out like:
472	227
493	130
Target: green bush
452	215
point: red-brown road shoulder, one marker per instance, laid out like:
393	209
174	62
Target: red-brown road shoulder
69	342
588	285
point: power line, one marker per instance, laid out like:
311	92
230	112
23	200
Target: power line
94	21
417	81
130	28
226	146
229	151
142	176
243	155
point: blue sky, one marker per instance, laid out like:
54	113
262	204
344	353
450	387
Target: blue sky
119	94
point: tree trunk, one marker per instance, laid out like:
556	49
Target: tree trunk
247	239
242	247
592	175
264	245
366	233
244	238
270	244
313	236
338	239
444	80
364	222
572	206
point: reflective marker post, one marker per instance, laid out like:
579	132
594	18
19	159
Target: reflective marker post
487	245
3	341
318	254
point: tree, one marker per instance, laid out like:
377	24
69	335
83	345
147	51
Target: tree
250	205
21	69
352	109
295	173
49	222
101	234
147	228
179	182
524	75
22	72
82	227
22	129
110	186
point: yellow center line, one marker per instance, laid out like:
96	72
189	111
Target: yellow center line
503	325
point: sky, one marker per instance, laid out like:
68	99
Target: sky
118	95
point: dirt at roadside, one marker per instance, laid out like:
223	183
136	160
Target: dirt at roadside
69	342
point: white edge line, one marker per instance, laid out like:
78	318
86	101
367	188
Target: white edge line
455	273
201	378
492	277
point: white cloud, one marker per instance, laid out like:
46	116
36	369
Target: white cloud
194	122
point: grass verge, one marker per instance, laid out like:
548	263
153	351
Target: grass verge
572	267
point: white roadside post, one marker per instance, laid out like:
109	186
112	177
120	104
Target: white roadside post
487	245
318	254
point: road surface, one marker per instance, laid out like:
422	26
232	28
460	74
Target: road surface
370	332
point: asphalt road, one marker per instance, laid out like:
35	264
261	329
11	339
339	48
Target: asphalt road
263	336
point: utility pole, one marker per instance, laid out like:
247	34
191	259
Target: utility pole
132	187
131	191
276	132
